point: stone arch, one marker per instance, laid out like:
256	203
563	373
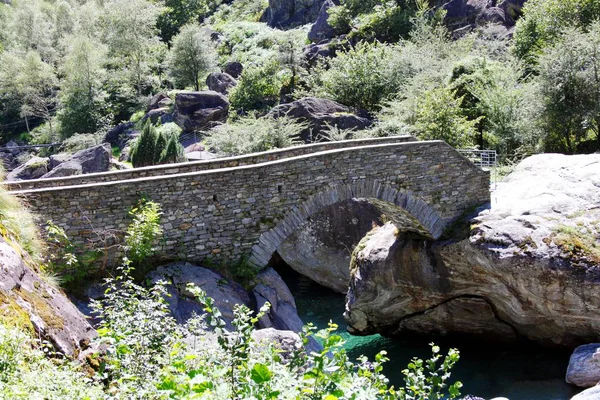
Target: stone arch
400	206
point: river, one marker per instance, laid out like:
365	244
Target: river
518	372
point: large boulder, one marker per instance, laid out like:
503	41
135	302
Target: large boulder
589	394
463	15
283	314
286	14
584	366
35	168
9	162
234	68
182	303
116	135
87	161
220	82
159	100
321	248
28	301
161	115
200	110
321	30
528	268
318	113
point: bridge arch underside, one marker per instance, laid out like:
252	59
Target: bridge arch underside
405	210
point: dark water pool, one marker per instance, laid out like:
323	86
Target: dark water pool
524	372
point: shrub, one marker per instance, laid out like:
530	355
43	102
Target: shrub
252	135
362	77
143	232
173	151
144	149
17	224
80	141
257	89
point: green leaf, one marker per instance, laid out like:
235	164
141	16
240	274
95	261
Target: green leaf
260	373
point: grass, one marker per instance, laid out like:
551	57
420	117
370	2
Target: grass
578	242
17	225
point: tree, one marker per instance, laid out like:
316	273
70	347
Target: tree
144	151
439	116
570	87
82	98
129	30
173	152
544	21
161	144
191	57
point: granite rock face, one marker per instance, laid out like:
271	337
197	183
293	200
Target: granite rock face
282	314
87	161
199	110
528	268
318	113
584	366
35	168
182	303
322	247
220	82
31	303
286	14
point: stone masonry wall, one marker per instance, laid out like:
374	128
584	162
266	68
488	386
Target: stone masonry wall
181	168
226	214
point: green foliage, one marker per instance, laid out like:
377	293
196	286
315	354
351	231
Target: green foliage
257	89
17	224
178	13
439	116
27	371
385	20
80	141
82	98
191	57
251	135
545	20
570	89
143	232
173	152
144	151
362	77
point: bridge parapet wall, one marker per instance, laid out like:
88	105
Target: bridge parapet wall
181	168
226	214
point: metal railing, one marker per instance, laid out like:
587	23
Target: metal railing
485	159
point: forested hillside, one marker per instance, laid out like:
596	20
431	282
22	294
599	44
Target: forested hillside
434	70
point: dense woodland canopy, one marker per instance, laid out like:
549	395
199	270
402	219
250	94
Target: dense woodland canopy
80	67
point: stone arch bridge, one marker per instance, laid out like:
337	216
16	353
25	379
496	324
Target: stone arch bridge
236	207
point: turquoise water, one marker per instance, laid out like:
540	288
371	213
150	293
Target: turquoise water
524	372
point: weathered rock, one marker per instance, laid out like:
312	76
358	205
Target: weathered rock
589	394
513	263
220	82
115	135
162	115
234	69
67	168
286	14
463	15
9	162
158	101
313	52
321	30
182	303
13	148
199	110
31	303
322	247
283	314
286	342
94	159
57	159
317	112
584	366
35	168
